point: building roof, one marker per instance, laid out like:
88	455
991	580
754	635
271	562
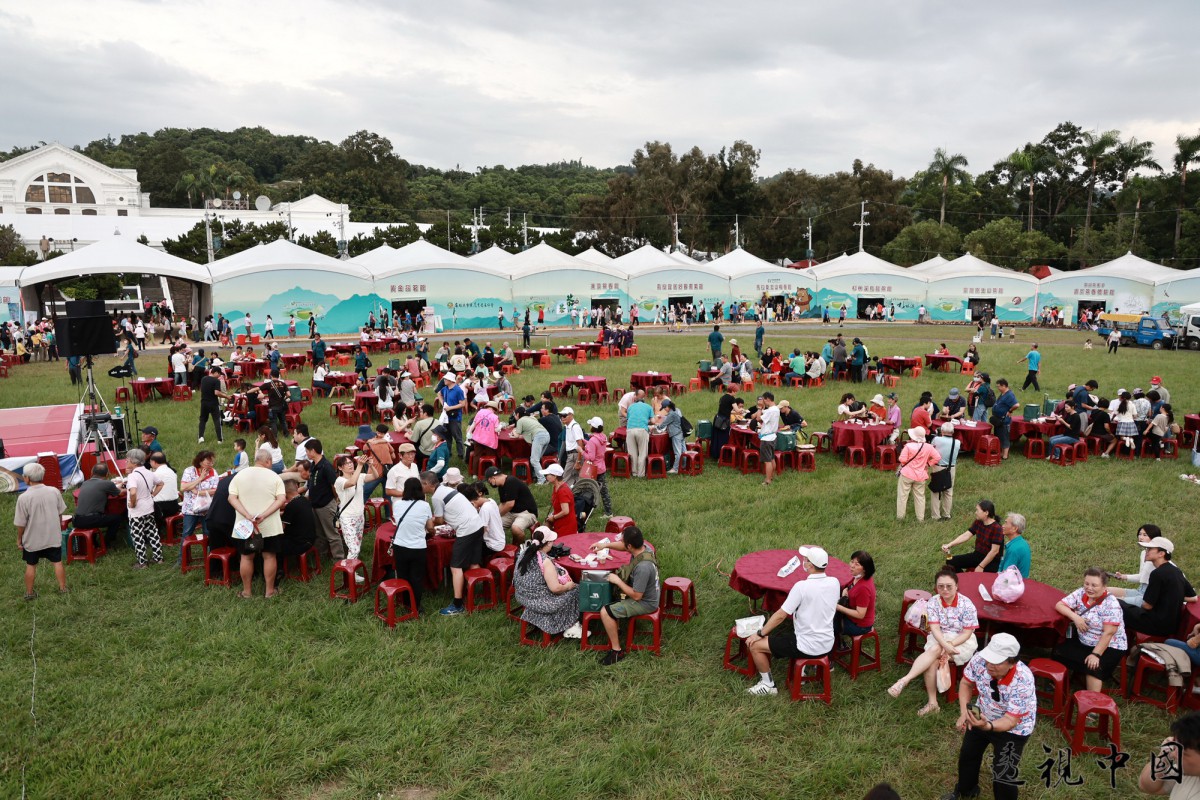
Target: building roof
544	258
282	254
862	263
114	254
493	255
594	256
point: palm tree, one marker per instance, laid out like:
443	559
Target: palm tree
187	184
1096	151
1023	166
948	168
1188	153
1129	157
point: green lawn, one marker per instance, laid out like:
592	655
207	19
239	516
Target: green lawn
150	685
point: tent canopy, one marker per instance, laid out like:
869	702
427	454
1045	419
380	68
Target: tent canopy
10	276
493	255
931	264
380	256
282	255
968	266
543	258
738	262
115	254
594	256
423	255
862	263
1129	267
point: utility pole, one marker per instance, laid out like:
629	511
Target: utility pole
448	245
862	223
525	230
675	233
809	251
208	235
737	233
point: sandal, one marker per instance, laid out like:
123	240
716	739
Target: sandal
897	687
31	596
242	596
929	708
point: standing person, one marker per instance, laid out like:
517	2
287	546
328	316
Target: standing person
351	511
526	331
672	425
131	355
414	522
454	400
768	429
453	509
1114	340
1005	719
561	517
321	493
291	326
842	315
948	448
573	440
591	452
858	361
1001	410
141	485
278	395
249	327
637	435
361	362
38	519
637	581
812	604
179	366
759	333
166	502
1034	359
500	318
915	460
257	495
715	340
722	420
318	350
269	328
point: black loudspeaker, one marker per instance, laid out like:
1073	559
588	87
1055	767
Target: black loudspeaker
86	336
85	308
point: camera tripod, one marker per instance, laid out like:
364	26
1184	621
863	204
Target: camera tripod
96	414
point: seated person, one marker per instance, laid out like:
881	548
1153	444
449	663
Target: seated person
849	408
954	407
1074	422
1100	641
878	408
796	366
91	509
942	350
299	523
1166	592
320	386
638	583
550	597
971	356
989	539
892	416
789	418
816	369
856	608
724	375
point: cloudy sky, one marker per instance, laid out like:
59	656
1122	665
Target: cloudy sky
473	83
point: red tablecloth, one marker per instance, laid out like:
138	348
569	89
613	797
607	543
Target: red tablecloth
1035	609
743	438
969	435
366	400
1021	427
565	350
252	368
143	388
645	380
898	364
512	445
660	443
756	575
939	361
1191	422
851	434
590	347
437	556
113	505
343	378
294	361
521	356
579	544
593	383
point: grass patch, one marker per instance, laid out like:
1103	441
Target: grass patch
151	685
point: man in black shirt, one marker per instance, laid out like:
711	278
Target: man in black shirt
221	516
548	402
277	394
91	508
553	425
210	406
720	422
299	523
518	508
1166	592
324	502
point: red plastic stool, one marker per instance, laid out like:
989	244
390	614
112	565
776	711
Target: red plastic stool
395	591
656	467
335	409
692	463
729	456
85	544
683	609
730	662
796	679
885	457
786	459
1035	448
806	461
622	465
309	564
122	395
1056	673
751	461
631	633
502	569
511	611
1075	728
482	579
987	454
822	441
191	562
618	524
377	510
1127	453
544	641
856	456
549	459
585	396
1146	690
557	388
853	660
174	530
522	470
585	642
349	588
219	566
1081	451
1063	455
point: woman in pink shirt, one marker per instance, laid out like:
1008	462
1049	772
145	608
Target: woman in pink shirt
915	460
484	429
592	453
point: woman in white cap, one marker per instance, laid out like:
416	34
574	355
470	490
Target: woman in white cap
550	597
591	454
915	460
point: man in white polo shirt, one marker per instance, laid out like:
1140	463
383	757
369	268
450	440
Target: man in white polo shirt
572	437
811	603
451	508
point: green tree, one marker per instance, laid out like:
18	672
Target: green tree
1132	156
13	252
922	241
1187	152
1096	152
947	169
1003	243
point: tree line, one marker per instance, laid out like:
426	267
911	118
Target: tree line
1073	199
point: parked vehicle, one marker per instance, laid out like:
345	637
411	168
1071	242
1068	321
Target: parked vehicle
1153	332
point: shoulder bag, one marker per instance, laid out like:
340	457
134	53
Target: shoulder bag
411	503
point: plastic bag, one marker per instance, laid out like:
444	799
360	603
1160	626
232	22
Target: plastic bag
944	676
1009	586
748	626
915	615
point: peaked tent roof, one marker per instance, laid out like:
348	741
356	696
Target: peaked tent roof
377	257
542	258
282	254
862	263
594	256
493	255
10	276
426	255
1130	267
932	263
968	265
683	258
116	254
738	262
645	258
1180	275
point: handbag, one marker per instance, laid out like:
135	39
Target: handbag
402	516
944	677
941	481
589	471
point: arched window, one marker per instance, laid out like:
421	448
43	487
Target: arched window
33	211
89	212
59	188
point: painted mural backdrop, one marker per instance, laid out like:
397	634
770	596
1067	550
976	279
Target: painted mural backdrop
341	303
751	288
948	299
907	296
461	298
1169	297
1118	294
10	304
551	289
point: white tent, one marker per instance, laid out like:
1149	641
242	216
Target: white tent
1176	290
751	278
968	287
493	255
594	256
112	255
379	257
856	281
682	257
463	292
1126	284
545	278
930	264
657	278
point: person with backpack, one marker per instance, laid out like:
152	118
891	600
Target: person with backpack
672	425
278	395
984	397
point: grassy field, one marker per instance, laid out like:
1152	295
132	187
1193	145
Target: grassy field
150	685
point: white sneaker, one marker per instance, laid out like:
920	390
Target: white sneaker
573	632
763	688
200	440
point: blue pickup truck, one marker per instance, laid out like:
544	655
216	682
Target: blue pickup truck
1153	332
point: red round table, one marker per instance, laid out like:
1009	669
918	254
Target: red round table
295	361
1035	609
851	434
756	575
579	544
645	380
743	438
521	356
143	388
343	378
898	364
593	383
938	361
568	350
512	445
970	434
438	550
1030	428
366	401
1191	422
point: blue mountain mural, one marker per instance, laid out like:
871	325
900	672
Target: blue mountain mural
351	314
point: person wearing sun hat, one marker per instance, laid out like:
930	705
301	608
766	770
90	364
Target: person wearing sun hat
549	597
561	517
592	452
812	604
1005	720
1167	589
915	460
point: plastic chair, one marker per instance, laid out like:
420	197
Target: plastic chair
682	609
797	680
480	579
85	544
1054	672
853	660
585	642
349	588
1082	705
632	641
395	591
219	566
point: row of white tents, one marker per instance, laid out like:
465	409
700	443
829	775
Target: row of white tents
282	278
